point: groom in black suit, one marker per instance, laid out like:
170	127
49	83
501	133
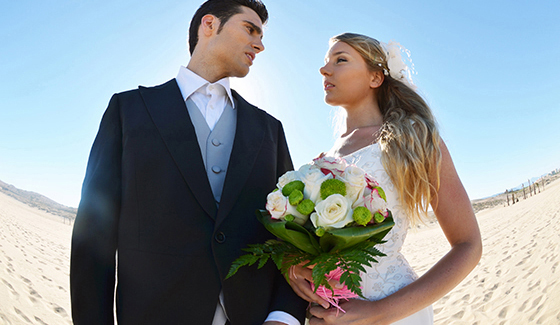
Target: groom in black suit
174	177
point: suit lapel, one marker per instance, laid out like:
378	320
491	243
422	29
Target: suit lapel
249	135
168	111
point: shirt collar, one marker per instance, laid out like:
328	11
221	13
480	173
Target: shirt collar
189	82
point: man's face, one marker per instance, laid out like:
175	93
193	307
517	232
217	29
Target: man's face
238	43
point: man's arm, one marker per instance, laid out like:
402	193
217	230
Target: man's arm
94	237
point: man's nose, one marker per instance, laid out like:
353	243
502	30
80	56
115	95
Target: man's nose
258	46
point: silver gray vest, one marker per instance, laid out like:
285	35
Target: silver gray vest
215	146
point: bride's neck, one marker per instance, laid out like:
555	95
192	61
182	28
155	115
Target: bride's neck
363	116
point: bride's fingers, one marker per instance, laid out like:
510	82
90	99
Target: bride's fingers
299	281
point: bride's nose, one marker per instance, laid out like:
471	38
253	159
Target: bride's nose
324	71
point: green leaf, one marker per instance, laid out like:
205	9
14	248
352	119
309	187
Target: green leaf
290	232
339	239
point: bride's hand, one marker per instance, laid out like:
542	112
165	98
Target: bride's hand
300	278
357	312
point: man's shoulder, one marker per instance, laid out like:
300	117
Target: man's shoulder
137	92
253	109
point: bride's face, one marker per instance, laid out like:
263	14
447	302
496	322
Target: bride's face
347	81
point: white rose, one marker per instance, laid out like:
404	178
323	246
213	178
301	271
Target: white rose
312	177
279	207
334	212
287	178
354	178
277	204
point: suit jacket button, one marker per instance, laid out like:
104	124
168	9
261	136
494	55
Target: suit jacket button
220	237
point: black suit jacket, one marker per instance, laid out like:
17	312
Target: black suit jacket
146	196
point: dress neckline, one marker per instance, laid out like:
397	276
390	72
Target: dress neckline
375	144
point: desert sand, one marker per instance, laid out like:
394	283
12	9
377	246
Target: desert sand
34	265
516	282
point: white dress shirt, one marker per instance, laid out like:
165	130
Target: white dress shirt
211	99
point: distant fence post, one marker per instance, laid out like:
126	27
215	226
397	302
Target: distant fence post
507	197
524	195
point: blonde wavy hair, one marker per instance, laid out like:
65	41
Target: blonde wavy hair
409	138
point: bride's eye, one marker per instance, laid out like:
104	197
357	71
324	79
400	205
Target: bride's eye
341	60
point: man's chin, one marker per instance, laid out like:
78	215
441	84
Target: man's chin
241	72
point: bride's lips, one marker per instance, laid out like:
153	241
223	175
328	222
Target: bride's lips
327	85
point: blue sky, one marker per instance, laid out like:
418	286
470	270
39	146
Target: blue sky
489	70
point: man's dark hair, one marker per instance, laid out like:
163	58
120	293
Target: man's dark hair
223	10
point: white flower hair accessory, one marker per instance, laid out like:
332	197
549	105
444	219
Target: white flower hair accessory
398	68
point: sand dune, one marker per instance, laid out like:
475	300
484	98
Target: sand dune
518	278
516	282
34	265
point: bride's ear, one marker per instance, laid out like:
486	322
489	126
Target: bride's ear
377	78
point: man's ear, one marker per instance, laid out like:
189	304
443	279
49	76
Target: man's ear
209	25
377	78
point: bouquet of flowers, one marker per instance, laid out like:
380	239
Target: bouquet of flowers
329	215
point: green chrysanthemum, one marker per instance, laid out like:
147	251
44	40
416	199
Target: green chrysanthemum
289	217
379	218
362	215
295	197
306	207
320	232
291	186
332	186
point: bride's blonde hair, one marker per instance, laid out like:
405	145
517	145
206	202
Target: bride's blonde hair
409	138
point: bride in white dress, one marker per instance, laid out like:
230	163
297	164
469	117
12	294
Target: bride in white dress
391	134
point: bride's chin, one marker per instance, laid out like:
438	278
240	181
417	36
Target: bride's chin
330	101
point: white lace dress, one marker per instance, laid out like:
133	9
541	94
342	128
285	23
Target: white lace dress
393	272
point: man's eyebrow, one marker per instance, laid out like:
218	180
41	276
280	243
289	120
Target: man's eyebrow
257	28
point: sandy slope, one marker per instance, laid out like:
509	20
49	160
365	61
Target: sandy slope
34	264
516	282
518	278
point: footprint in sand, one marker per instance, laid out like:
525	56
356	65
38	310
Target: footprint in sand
459	315
488	296
536	302
12	290
522	308
512	279
5	320
34	295
40	321
503	312
534	286
530	272
22	315
532	317
59	310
